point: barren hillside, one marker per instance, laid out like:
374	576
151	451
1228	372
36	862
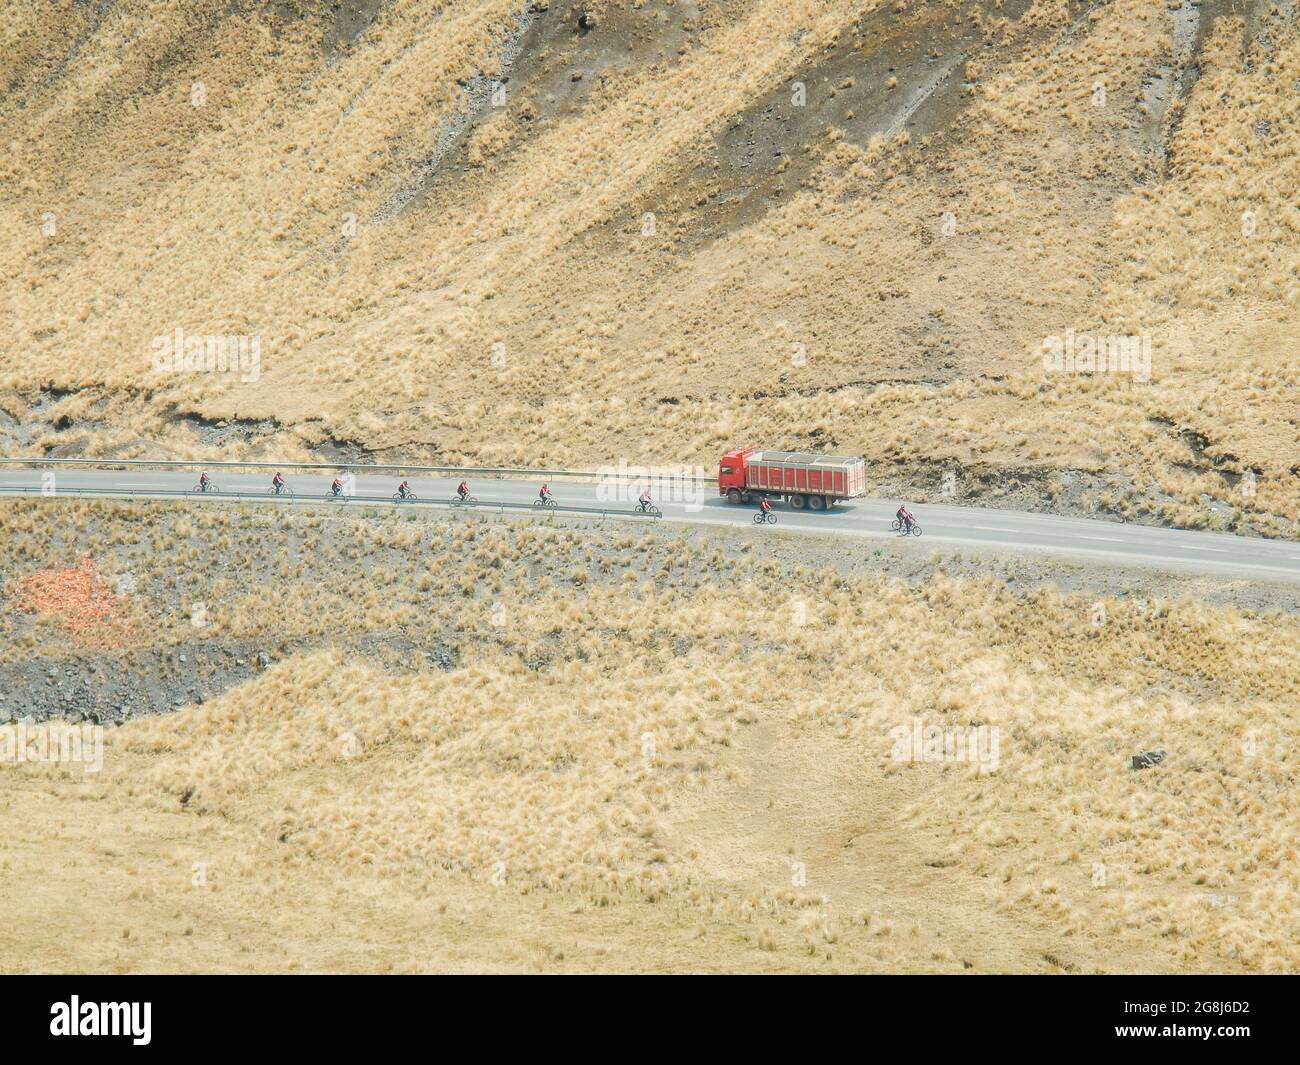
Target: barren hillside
500	231
424	744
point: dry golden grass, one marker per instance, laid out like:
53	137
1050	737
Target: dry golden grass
637	767
515	313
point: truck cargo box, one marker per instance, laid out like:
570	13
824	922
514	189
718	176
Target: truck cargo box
803	477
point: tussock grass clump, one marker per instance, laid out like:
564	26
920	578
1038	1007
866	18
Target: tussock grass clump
499	771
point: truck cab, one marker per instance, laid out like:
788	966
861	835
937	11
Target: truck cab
731	470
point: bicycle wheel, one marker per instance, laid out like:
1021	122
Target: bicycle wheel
895	525
916	530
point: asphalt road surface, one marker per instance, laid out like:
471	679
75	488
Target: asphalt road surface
1001	531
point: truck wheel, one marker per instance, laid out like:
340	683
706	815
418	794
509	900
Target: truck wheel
817	502
798	502
745	497
733	495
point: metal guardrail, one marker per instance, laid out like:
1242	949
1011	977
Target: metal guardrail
353	467
482	506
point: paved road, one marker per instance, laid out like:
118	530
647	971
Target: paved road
1003	531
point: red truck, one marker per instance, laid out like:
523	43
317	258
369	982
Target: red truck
803	478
